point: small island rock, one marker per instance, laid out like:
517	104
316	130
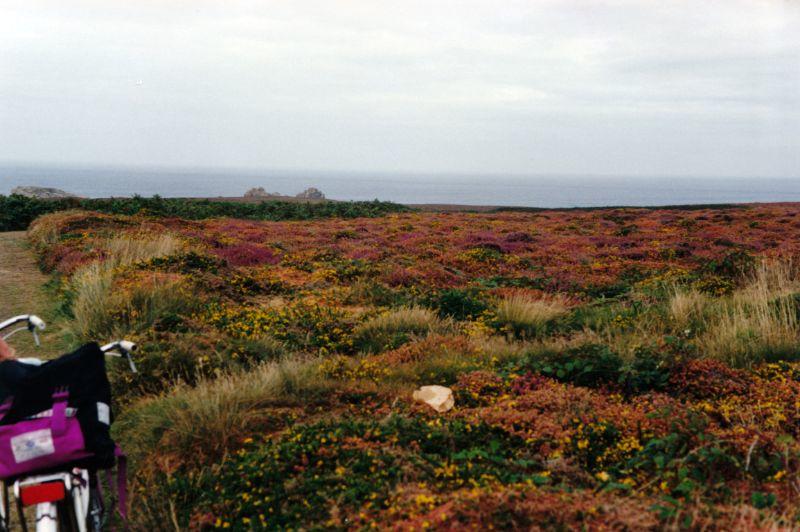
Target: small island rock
312	194
259	192
42	193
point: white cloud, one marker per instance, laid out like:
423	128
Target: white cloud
519	86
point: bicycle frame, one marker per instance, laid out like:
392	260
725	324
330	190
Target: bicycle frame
71	490
74	488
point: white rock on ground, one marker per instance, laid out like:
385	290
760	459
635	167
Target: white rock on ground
440	398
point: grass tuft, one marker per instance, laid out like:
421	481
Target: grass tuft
526	317
393	328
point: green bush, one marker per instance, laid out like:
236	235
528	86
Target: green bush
459	304
649	370
587	365
17	212
596	365
735	265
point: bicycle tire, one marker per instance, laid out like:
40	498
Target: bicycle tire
95	518
67	520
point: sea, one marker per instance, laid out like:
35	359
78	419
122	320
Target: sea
554	191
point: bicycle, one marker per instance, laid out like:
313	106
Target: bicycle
65	501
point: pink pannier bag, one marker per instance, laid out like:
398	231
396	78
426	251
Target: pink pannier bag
49	440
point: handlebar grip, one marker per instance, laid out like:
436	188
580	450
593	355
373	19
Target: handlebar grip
128	346
36	322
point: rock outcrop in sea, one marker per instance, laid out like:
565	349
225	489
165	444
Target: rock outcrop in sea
42	193
259	192
311	193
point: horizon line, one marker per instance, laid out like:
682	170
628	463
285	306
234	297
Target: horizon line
366	172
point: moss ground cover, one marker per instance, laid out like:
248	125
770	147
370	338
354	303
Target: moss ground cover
618	368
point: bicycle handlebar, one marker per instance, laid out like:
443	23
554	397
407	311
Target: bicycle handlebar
123	345
120	348
124	348
33	324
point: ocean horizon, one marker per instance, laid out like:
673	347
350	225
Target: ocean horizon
554	191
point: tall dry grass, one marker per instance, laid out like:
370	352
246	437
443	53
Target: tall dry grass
94	302
406	319
685	308
757	322
202	423
528	317
124	251
395	326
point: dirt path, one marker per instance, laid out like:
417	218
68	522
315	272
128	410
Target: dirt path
22	291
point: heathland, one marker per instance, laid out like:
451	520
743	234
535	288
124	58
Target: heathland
612	368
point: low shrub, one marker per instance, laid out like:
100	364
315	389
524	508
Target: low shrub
705	379
619	390
372	293
439	359
292	482
734	265
459	304
587	365
516	507
246	254
596	365
300	326
688	463
175	439
188	262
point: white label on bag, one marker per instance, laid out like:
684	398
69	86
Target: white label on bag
103	413
32	445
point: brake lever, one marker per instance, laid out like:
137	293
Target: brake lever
128	356
36	324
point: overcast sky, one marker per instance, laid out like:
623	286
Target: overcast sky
530	86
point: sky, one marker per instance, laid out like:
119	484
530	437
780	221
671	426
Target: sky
606	87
